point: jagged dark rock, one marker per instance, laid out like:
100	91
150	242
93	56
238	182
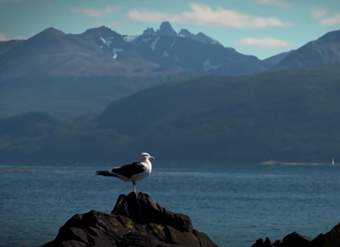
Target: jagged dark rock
136	220
295	240
261	243
142	209
329	239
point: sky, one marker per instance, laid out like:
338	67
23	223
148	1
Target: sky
256	27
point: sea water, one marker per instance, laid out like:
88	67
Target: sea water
234	205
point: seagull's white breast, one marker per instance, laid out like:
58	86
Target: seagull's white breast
147	164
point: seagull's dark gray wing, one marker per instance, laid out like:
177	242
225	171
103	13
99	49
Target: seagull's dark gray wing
129	170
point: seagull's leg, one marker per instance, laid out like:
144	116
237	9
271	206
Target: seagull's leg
134	186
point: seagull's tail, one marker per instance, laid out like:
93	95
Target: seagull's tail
106	173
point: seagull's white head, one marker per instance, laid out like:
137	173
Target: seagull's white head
147	155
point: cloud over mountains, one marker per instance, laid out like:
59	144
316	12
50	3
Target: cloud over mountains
95	12
264	42
202	14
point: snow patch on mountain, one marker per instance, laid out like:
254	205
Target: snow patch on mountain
165	54
129	38
107	43
146	40
173	43
208	66
115	52
154	43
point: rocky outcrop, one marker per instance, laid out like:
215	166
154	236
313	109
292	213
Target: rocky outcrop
136	220
329	239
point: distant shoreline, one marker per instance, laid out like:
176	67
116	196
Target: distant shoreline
293	163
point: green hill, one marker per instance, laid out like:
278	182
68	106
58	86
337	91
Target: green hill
287	115
283	115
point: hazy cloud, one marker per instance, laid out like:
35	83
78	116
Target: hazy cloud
3	37
325	18
206	15
95	12
272	2
319	12
331	20
264	42
11	1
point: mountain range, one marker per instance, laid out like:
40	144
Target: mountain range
323	51
156	91
76	74
69	75
101	51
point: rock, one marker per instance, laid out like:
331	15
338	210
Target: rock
291	240
261	243
295	240
136	220
329	239
142	209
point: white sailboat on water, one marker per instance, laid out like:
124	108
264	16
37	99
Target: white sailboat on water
333	162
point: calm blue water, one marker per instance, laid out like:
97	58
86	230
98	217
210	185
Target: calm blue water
233	205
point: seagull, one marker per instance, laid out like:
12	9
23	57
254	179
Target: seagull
132	172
